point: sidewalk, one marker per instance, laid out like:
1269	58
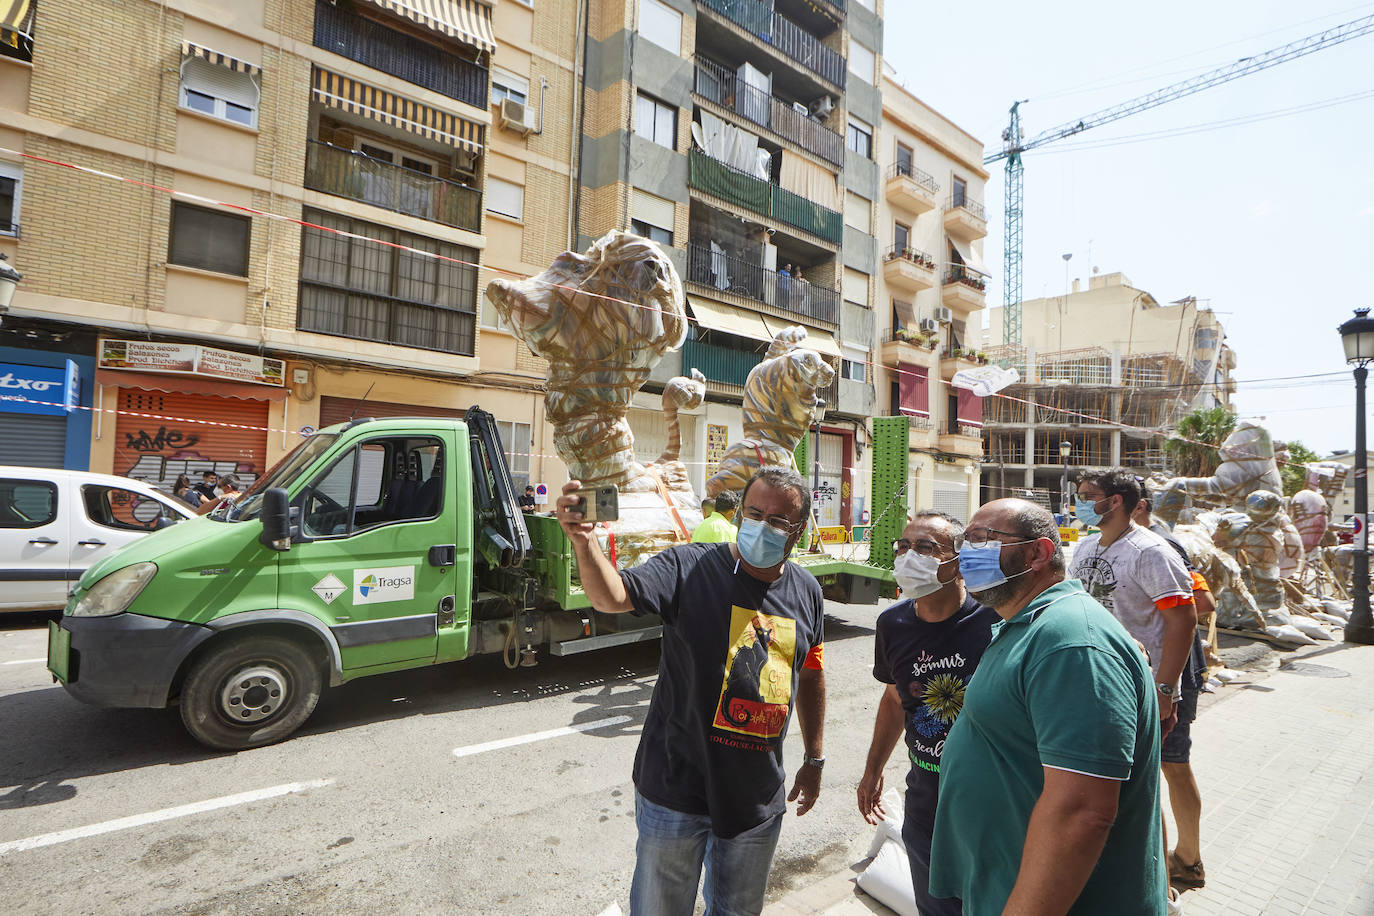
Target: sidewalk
1285	762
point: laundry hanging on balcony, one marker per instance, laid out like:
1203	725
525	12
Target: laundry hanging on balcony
466	20
727	143
803	177
349	95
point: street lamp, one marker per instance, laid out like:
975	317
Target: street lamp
1357	334
1065	450
9	279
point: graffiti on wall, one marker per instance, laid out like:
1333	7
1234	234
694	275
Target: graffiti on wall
160	471
162	439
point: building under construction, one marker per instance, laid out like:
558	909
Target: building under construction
1106	374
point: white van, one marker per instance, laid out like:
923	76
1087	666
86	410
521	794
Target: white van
54	524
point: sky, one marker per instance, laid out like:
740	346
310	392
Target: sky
1268	219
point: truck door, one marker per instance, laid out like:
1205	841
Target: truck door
369	568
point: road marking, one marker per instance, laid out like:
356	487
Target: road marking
538	736
27	661
153	817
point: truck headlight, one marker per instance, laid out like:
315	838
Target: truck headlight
114	593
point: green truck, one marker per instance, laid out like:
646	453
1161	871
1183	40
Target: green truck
374	546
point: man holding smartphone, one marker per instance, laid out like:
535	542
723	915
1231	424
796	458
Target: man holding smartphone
742	641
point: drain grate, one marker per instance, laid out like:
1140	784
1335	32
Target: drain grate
1310	670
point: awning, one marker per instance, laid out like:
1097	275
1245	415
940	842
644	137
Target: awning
352	96
16	23
188	384
970	258
465	20
717	317
821	341
191	49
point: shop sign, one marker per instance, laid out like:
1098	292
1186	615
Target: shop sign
52	391
191	359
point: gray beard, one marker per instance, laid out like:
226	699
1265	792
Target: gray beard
998	596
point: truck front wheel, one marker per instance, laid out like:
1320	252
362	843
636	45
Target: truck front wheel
249	692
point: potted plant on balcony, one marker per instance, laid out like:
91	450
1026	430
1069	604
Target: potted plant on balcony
907	334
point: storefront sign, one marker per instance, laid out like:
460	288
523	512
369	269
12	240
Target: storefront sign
190	359
48	390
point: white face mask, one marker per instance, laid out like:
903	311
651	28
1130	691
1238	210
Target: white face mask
918	575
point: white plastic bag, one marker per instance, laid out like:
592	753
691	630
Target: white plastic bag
888	877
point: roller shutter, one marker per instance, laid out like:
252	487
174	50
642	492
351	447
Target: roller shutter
30	440
154	441
952	498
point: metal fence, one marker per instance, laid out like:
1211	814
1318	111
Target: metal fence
348	173
726	89
782	33
906	170
731	274
762	197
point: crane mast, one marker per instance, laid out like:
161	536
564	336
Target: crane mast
1013	145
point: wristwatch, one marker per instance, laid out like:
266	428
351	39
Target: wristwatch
817	762
1166	689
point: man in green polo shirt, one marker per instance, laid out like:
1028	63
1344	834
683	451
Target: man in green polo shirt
716	527
1049	784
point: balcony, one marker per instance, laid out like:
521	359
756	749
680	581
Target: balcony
910	189
904	347
783	34
968	441
347	173
718	85
908	269
723	272
762	197
952	361
963	289
374	45
722	366
965	219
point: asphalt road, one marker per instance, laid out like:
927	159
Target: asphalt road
368	809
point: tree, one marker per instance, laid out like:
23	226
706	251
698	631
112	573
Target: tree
1193	447
1294	473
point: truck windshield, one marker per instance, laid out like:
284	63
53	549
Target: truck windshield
286	470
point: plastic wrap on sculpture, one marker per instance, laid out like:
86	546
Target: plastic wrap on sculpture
1247	465
779	405
603	320
1309	510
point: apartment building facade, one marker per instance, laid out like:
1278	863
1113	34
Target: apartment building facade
348	176
931	280
1107	371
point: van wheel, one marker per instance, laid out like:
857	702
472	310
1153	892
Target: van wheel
249	692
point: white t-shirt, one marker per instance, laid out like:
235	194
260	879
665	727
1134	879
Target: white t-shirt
1128	577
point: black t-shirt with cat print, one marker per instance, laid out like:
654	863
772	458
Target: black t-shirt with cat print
732	650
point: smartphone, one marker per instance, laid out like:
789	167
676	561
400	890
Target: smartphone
598	504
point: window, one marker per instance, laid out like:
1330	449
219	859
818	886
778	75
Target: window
382	482
11	188
655	120
853	369
385	152
652	216
125	510
652	233
906	159
858	212
661	24
862	62
855	285
507	85
209	239
958	193
901	236
518	443
219	92
356	288
860	138
505	198
27	503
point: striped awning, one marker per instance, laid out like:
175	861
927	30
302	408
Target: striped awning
466	20
191	49
16	23
349	95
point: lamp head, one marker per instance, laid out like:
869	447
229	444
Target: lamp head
9	279
1357	334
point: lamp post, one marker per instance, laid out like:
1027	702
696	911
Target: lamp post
1357	334
1065	450
9	279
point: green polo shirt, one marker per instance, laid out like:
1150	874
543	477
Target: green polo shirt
1062	685
716	529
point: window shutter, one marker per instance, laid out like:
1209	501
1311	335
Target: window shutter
221	82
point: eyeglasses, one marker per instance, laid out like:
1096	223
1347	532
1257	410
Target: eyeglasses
979	537
922	547
779	523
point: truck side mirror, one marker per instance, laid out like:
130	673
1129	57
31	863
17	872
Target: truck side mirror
276	520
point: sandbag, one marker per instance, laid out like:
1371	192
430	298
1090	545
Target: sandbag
887	879
1309	627
1289	636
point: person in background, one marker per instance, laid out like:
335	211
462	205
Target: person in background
229	493
527	500
716	527
1049	782
927	647
209	480
188	494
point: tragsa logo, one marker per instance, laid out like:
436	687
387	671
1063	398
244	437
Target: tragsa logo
367	585
376	586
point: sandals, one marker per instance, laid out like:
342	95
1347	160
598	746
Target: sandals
1186	876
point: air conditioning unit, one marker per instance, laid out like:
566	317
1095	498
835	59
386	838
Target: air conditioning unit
930	325
822	107
943	315
515	116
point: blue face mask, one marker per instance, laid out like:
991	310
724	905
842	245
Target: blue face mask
1085	510
761	545
981	566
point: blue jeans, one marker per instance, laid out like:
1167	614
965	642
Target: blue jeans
669	855
916	839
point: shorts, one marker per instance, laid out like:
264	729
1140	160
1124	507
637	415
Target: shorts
1179	741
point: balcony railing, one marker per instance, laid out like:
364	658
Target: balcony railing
729	91
791	39
923	339
731	274
717	363
348	173
958	273
960	202
762	197
924	179
907	253
374	45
